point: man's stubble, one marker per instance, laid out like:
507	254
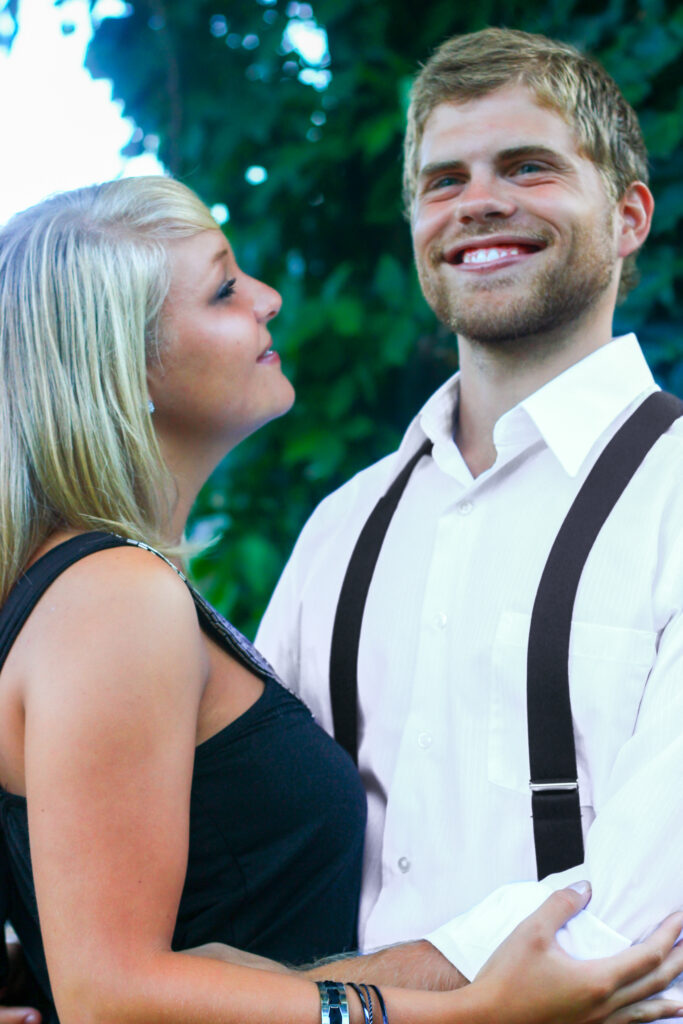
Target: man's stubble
542	306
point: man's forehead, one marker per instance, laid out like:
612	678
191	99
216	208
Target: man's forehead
508	119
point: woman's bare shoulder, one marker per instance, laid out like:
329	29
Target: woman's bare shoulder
122	603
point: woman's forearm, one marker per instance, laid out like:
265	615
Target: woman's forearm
177	988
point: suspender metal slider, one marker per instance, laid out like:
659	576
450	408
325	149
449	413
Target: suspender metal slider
542	787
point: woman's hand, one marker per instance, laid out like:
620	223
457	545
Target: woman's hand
531	980
18	988
19	1015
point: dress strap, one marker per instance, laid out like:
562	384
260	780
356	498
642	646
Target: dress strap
32	584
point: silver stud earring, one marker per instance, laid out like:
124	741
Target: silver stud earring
150	406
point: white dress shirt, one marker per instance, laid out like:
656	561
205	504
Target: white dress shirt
442	669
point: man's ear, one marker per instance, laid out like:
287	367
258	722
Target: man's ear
634	213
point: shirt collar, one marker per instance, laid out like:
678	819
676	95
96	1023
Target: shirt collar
573	411
570	412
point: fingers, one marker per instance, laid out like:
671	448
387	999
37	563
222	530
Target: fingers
561	906
656	981
19	1015
642	1012
653	961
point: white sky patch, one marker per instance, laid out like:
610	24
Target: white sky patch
220	213
308	39
256	175
58	127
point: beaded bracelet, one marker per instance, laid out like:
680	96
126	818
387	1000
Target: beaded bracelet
334	1007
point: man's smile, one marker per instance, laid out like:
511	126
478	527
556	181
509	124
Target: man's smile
491	253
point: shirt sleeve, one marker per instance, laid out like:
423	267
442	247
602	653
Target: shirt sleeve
278	634
632	847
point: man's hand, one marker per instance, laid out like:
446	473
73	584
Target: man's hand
230	955
408	965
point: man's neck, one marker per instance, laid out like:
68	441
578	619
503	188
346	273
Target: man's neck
494	380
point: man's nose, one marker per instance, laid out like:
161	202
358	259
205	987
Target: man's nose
483	199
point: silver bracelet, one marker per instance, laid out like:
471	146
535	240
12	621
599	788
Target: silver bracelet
334	1006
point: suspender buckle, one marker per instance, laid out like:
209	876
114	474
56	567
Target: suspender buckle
557	784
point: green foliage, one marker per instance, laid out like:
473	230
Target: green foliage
326	229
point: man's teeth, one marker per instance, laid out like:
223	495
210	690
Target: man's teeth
489	255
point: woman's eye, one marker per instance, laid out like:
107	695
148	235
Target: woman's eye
226	289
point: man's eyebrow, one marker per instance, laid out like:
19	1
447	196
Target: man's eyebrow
439	167
512	153
517	152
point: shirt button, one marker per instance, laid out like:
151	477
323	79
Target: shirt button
403	865
465	507
424	740
441	620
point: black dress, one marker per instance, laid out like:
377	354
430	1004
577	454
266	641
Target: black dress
277	813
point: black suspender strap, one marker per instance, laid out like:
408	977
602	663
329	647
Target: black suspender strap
349	616
552	755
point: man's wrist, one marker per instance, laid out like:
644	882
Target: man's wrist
407	965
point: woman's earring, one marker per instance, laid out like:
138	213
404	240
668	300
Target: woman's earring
150	406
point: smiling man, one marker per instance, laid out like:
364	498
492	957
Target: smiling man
526	188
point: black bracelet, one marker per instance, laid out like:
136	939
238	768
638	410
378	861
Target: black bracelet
382	1004
368	993
367	1012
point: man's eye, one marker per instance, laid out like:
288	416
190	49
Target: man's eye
226	289
529	167
446	181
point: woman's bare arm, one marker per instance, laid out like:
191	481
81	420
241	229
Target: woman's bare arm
530	962
114	677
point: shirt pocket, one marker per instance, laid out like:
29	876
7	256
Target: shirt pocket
608	671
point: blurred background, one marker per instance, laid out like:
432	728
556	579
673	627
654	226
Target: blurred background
287	119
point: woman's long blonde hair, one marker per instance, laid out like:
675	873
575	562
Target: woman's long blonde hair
83	277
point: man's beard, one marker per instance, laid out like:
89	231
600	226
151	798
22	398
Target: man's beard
555	296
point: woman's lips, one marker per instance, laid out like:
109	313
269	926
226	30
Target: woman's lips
269	356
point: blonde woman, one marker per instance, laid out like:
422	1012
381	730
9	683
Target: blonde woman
173	792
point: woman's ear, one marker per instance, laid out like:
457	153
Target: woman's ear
634	210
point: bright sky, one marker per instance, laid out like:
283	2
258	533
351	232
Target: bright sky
59	128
